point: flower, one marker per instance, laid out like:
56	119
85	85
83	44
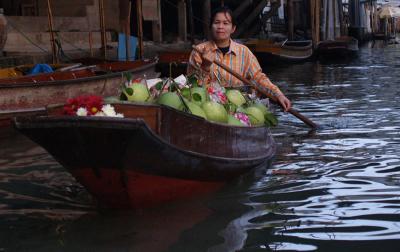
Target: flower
108	110
243	118
81	112
90	105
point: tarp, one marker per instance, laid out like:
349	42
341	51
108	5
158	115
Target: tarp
388	11
40	68
122	47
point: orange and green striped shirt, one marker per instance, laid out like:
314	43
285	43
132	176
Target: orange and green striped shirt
240	59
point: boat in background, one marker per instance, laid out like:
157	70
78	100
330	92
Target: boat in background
30	94
22	70
154	155
340	47
173	63
268	51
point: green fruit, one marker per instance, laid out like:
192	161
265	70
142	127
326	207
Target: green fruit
185	93
234	121
137	92
170	99
270	119
256	116
262	107
215	112
198	95
196	110
235	97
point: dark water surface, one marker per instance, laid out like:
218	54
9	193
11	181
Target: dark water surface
336	189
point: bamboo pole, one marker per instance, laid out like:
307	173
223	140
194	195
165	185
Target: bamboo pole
52	41
140	27
103	29
206	17
91	43
291	19
191	21
312	12
317	20
334	18
128	32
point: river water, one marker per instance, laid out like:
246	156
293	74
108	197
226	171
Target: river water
333	189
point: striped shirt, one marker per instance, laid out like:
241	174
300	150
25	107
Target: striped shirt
240	59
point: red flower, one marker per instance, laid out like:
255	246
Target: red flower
92	103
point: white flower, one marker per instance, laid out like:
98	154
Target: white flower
108	110
100	113
81	112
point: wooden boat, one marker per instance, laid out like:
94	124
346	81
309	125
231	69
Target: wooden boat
154	155
172	63
340	47
31	93
18	71
268	51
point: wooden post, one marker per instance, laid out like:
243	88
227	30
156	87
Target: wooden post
128	32
91	43
157	25
312	20
334	18
140	27
290	20
52	41
191	21
206	17
317	20
341	21
103	29
182	22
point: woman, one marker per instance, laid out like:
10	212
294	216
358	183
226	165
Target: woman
237	56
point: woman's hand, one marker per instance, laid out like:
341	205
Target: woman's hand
207	57
284	102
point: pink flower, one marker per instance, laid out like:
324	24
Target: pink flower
243	118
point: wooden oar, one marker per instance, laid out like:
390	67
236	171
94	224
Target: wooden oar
261	89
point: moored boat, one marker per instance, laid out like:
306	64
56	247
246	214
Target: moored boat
20	94
18	71
154	155
173	63
268	51
339	47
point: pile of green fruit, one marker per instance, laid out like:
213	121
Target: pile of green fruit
220	105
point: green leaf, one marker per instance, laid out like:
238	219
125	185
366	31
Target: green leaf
192	80
159	85
128	75
271	120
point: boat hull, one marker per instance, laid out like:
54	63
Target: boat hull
268	52
338	48
141	161
131	189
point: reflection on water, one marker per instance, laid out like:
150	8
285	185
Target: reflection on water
332	189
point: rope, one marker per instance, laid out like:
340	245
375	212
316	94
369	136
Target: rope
26	37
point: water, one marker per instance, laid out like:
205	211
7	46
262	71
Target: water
332	189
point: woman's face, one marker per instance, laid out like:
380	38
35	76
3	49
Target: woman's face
222	27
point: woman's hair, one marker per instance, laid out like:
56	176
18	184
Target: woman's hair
223	9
